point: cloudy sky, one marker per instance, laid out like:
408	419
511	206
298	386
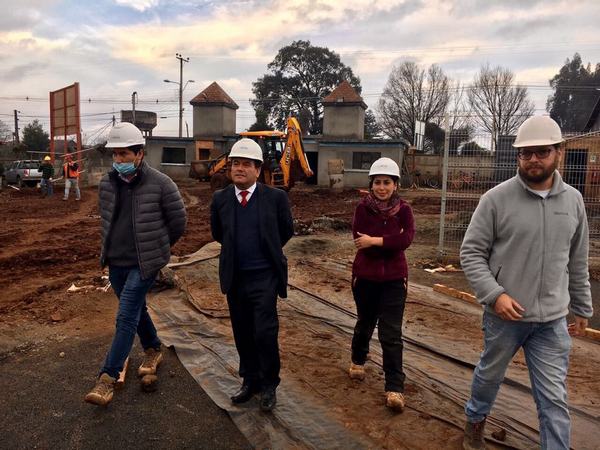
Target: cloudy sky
115	47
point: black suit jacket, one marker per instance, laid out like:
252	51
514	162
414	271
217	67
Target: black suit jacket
275	229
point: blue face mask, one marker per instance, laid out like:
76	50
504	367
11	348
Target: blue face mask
124	168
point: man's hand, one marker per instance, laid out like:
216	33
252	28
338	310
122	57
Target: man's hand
578	327
508	308
363	241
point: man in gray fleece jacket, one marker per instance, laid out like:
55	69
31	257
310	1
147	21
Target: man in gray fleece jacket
525	254
142	216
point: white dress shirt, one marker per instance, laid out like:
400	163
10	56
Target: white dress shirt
250	190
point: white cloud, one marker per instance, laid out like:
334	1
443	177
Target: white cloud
138	5
127	83
232	43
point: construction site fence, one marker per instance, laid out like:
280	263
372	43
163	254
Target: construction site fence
466	176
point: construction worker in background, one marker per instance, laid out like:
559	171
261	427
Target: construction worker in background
253	222
47	169
525	254
70	171
383	228
142	217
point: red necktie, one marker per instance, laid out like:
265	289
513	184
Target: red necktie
244	194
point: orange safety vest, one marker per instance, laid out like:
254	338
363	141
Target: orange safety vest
70	172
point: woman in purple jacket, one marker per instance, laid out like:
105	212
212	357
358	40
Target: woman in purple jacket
383	227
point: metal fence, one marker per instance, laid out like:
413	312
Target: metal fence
469	174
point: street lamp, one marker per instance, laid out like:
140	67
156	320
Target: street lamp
181	89
181	86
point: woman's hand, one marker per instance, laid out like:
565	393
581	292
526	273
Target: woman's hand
366	241
362	241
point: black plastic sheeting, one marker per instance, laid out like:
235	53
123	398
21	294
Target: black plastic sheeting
206	349
210	357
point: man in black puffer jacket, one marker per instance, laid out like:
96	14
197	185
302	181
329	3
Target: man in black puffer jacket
142	216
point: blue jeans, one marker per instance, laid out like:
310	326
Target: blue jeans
47	187
74	182
132	317
546	346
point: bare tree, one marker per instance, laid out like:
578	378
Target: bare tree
412	93
499	105
5	132
460	116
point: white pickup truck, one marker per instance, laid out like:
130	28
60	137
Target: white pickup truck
24	172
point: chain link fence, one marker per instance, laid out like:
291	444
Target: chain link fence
474	163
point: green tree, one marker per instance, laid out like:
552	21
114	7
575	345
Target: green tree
435	137
299	77
574	94
261	123
372	127
472	148
34	137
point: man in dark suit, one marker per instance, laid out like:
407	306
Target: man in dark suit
253	222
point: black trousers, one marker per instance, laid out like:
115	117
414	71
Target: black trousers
252	304
381	303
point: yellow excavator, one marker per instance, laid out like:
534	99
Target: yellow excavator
284	159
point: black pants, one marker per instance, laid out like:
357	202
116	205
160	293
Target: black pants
253	310
383	303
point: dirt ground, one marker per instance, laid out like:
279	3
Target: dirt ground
46	245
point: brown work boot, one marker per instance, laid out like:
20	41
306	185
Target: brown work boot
152	359
102	393
394	401
356	371
473	439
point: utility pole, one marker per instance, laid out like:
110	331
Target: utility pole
17	140
133	98
181	61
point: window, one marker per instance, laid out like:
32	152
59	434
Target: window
363	160
173	155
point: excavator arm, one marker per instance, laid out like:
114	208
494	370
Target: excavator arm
294	153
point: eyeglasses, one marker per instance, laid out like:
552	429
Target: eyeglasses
525	155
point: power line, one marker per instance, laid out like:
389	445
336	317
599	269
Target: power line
530	85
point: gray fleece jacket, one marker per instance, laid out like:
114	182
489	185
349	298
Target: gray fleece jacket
534	249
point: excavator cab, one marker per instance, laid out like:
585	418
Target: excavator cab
272	151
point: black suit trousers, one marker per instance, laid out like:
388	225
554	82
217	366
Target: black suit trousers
252	302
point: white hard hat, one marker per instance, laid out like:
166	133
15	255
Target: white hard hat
384	166
124	134
538	130
246	148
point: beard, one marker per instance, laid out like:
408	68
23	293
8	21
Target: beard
540	174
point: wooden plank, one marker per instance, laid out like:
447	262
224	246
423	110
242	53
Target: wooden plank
121	381
592	334
468	297
455	293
